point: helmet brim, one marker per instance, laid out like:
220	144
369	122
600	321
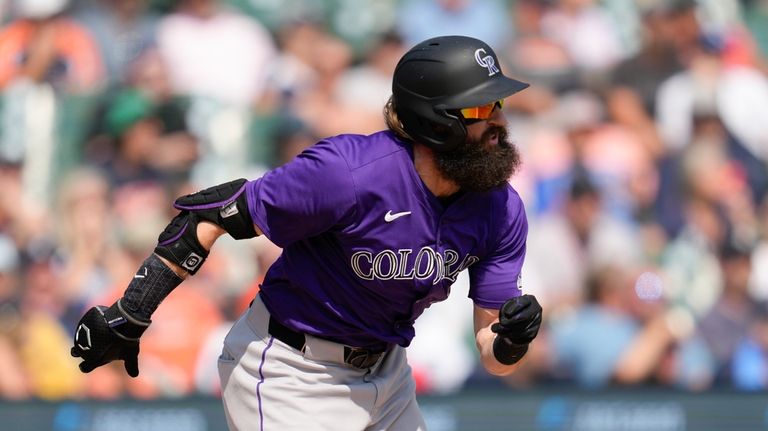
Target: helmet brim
498	88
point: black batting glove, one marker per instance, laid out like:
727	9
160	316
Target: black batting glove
105	334
519	320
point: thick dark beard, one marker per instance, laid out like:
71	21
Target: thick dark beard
476	166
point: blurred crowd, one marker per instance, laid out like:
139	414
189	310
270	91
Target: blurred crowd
644	137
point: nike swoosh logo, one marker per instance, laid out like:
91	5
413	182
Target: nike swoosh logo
141	275
389	217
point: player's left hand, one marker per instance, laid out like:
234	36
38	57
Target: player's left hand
98	342
519	319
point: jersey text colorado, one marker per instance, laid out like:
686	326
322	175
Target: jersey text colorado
399	265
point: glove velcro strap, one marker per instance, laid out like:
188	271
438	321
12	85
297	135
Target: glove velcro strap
123	324
179	244
507	352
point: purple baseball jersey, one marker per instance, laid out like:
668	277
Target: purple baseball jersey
367	247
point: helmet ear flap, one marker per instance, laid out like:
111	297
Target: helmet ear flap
447	132
435	127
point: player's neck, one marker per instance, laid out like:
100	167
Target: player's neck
424	160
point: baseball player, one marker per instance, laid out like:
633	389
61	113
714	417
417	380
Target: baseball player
373	229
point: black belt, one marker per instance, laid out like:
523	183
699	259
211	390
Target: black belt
354	356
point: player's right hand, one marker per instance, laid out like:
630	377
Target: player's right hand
104	335
519	319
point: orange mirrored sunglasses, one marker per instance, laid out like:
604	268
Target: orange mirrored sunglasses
483	112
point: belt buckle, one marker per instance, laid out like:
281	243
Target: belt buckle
360	358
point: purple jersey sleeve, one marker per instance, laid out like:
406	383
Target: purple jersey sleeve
496	278
303	198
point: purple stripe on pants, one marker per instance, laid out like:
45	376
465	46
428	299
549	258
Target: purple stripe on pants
261	380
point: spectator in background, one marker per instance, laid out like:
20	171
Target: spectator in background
749	368
690	260
291	136
587	33
293	69
631	99
756	19
27	222
87	247
591	361
368	86
123	30
715	200
220	59
149	74
621	167
610	154
486	20
43	44
538	57
641	340
735	313
139	130
14	384
308	79
737	93
47	57
42	335
176	148
579	235
33	311
759	280
131	121
331	57
143	140
213	52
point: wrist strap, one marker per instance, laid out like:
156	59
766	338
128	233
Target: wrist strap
123	324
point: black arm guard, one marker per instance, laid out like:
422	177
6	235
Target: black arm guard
149	287
224	205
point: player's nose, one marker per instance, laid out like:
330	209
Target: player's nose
498	118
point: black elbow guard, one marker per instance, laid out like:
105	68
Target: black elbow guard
224	205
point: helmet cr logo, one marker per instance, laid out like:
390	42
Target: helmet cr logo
486	61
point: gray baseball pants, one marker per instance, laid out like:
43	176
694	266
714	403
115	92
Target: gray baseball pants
268	385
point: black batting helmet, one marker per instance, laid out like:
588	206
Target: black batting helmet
439	76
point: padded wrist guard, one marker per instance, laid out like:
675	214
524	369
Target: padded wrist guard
507	352
224	205
152	283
